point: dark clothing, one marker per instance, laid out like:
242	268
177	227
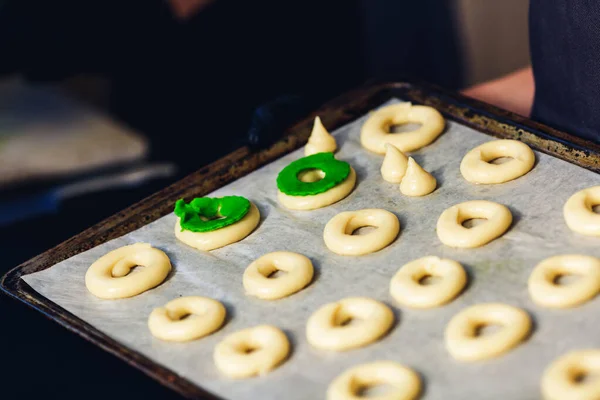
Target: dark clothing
412	39
565	54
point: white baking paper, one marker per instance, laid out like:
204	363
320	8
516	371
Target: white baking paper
498	273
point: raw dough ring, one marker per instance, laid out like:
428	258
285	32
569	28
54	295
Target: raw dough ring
338	231
406	289
406	383
476	167
299	274
109	277
560	380
325	329
545	292
579	213
269	347
464	344
320	200
375	131
221	237
453	234
205	316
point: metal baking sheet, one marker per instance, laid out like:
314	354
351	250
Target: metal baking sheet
498	272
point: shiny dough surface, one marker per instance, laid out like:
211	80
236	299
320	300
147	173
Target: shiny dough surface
394	164
111	276
375	132
251	351
221	237
407	289
404	382
299	273
338	231
417	182
546	292
464	343
476	166
320	200
452	233
579	213
186	318
326	328
561	378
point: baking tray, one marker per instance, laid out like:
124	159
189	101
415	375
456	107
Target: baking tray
334	114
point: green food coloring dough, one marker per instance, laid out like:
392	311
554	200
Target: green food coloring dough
205	214
335	171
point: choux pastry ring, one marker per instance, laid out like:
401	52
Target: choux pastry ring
299	273
338	231
462	333
251	351
546	292
375	132
327	329
579	213
186	318
111	276
407	289
405	383
452	233
477	168
561	380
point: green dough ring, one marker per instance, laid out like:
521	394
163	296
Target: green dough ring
335	173
233	208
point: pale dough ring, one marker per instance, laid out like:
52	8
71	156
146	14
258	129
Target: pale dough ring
405	382
545	292
452	233
203	317
338	231
299	273
110	278
220	237
320	200
251	351
325	328
561	379
375	131
476	167
464	344
579	213
406	289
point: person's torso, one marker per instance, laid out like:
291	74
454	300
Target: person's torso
565	53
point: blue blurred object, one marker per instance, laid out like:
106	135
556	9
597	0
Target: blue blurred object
49	201
270	120
23	208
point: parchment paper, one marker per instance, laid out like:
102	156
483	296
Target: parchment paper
498	272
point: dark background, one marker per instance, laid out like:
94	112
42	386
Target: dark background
192	88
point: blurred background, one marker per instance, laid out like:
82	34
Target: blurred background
105	102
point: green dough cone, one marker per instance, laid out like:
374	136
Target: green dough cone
335	173
197	215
